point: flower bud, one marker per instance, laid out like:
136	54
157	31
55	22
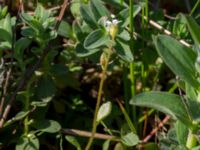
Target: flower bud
103	59
113	31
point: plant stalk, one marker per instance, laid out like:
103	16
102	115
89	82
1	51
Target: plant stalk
194	8
99	98
26	108
132	64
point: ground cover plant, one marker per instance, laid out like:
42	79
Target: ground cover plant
100	74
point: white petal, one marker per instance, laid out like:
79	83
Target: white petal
115	21
112	16
108	23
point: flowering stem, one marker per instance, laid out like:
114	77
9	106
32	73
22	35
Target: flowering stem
99	97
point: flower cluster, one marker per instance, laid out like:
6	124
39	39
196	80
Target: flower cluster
111	25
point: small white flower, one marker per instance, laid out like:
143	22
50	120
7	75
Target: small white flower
112	16
115	21
109	23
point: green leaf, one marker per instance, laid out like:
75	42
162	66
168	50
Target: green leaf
119	146
45	89
6	37
181	132
41	13
49	126
32	22
7	25
124	14
82	52
179	58
179	27
165	102
75	8
130	139
98	9
190	92
78	31
21	115
28	32
5	45
194	108
88	16
196	148
106	145
96	39
65	30
123	50
40	103
49	23
28	143
20	46
194	28
73	141
4	11
104	111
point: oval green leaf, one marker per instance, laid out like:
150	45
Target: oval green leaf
5	36
104	111
98	9
49	126
179	59
165	102
65	30
73	141
96	39
28	143
87	15
82	52
130	139
123	50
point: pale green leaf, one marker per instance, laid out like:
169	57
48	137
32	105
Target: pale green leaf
104	111
130	139
73	141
